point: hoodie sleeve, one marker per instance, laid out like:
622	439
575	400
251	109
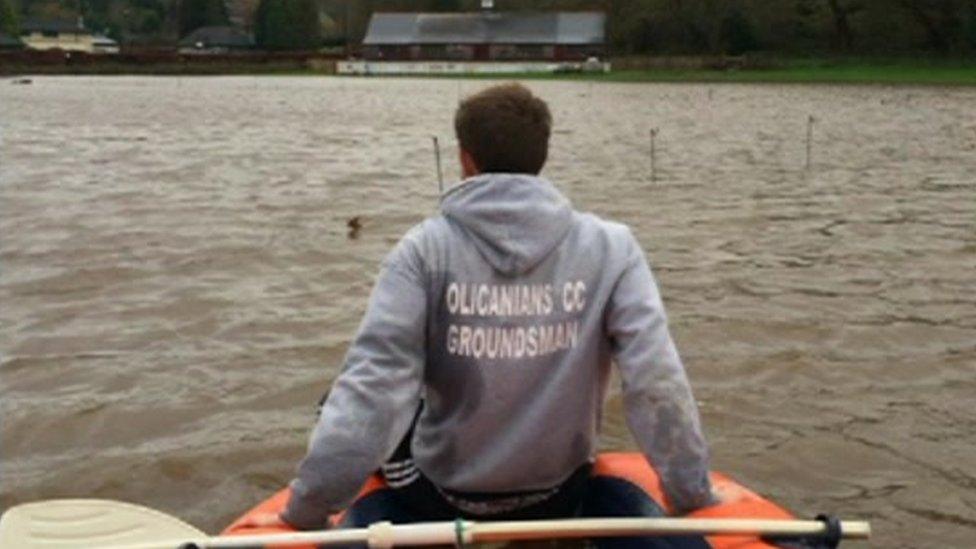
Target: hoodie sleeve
660	409
372	402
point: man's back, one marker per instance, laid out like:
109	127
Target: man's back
504	314
518	358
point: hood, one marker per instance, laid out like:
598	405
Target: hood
515	219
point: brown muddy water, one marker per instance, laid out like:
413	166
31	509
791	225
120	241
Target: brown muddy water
178	285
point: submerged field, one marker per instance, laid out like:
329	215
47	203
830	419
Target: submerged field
179	284
867	71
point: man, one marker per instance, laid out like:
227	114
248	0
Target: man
504	314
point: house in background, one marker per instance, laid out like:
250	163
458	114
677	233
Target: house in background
104	44
64	35
215	39
485	36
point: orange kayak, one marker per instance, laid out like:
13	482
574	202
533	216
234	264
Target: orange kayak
738	501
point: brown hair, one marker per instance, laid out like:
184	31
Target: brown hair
505	129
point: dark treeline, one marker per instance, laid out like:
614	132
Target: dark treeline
194	14
788	27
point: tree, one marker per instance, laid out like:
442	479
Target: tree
737	35
288	25
194	14
151	23
644	36
8	19
794	26
698	25
970	30
842	12
444	5
941	19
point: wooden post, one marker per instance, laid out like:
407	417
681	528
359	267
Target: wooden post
653	154
437	158
810	121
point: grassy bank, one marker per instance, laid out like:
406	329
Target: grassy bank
119	69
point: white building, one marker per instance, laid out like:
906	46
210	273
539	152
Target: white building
57	35
104	44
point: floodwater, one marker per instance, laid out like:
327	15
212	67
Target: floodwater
179	285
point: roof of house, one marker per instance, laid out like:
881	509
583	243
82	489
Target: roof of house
217	37
102	40
7	41
53	25
487	27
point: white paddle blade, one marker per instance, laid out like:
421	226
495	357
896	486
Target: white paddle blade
87	523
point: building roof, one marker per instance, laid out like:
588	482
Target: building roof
104	41
488	27
10	42
217	37
60	26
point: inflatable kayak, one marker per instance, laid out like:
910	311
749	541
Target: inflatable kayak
629	468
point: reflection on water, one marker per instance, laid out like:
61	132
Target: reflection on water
178	283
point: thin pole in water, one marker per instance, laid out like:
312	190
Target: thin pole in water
437	158
653	154
810	121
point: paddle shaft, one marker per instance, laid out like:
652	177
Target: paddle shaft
384	534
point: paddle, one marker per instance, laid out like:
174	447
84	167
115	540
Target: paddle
87	523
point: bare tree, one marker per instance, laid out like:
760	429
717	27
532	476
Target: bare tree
841	12
941	19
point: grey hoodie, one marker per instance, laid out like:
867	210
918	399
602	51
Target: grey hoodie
505	313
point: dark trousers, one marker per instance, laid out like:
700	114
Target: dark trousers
585	496
582	495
